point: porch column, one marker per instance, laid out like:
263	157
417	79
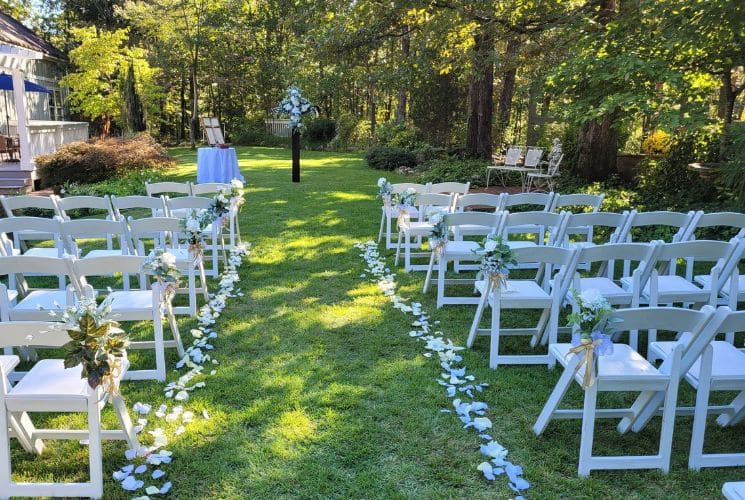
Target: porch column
19	97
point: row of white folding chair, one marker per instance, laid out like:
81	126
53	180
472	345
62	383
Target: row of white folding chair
645	286
127	303
390	213
706	364
184	188
50	387
545	228
135	239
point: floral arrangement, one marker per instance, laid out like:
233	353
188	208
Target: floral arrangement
496	260
193	229
593	320
96	342
295	105
162	265
385	189
220	205
438	237
236	192
405	199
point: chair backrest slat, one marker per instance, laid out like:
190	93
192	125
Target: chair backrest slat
450	187
168	187
533	157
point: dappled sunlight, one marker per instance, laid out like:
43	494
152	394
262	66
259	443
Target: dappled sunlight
288	436
346	196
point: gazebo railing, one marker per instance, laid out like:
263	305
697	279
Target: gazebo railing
278	127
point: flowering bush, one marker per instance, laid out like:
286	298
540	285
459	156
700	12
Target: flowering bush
657	143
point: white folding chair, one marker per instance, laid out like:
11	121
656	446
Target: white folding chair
450	187
162	232
90	205
168	188
75	231
606	280
625	370
389	212
510	165
208	188
137	207
50	387
139	304
192	206
409	229
584	224
545	177
734	490
734	222
25	303
458	249
545	292
721	367
730	291
41	206
481	202
42	229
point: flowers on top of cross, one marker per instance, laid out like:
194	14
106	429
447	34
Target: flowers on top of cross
295	105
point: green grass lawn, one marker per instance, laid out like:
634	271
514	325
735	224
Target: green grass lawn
320	392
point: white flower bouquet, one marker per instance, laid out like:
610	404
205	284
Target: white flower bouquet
496	260
593	319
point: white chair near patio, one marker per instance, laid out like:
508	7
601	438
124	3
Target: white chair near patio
457	250
192	206
73	233
510	164
389	212
138	304
34	304
548	177
625	370
607	282
545	292
162	232
91	204
417	230
721	367
50	387
459	188
43	207
130	206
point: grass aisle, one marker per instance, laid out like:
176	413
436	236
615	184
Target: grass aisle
321	393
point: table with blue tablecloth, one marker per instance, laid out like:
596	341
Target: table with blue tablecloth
217	165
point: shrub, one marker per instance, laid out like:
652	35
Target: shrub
252	132
101	159
732	172
386	158
320	130
352	134
455	170
657	143
131	183
397	135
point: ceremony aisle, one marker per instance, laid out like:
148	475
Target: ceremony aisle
320	391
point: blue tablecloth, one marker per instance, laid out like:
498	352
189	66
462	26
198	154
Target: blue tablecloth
217	165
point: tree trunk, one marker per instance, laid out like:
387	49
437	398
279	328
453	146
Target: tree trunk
402	94
194	123
597	148
372	108
481	98
508	89
534	126
182	127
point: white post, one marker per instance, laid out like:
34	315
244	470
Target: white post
19	97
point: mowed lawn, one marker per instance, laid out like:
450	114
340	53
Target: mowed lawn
320	391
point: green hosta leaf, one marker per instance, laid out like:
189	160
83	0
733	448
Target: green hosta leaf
76	335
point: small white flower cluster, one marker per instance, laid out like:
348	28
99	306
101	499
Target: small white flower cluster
134	475
454	377
385	188
593	300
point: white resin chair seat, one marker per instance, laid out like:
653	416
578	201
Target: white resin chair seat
30	307
671	289
624	366
609	289
135	305
39	252
49	381
519	294
103	253
734	490
461	248
417	228
520	244
705	281
729	363
427	204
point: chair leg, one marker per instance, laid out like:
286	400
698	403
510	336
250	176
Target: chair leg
442	268
125	421
382	224
160	355
733	416
668	414
477	318
5	477
203	282
588	430
430	268
557	395
24	428
398	250
95	454
192	284
174	330
494	334
699	416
